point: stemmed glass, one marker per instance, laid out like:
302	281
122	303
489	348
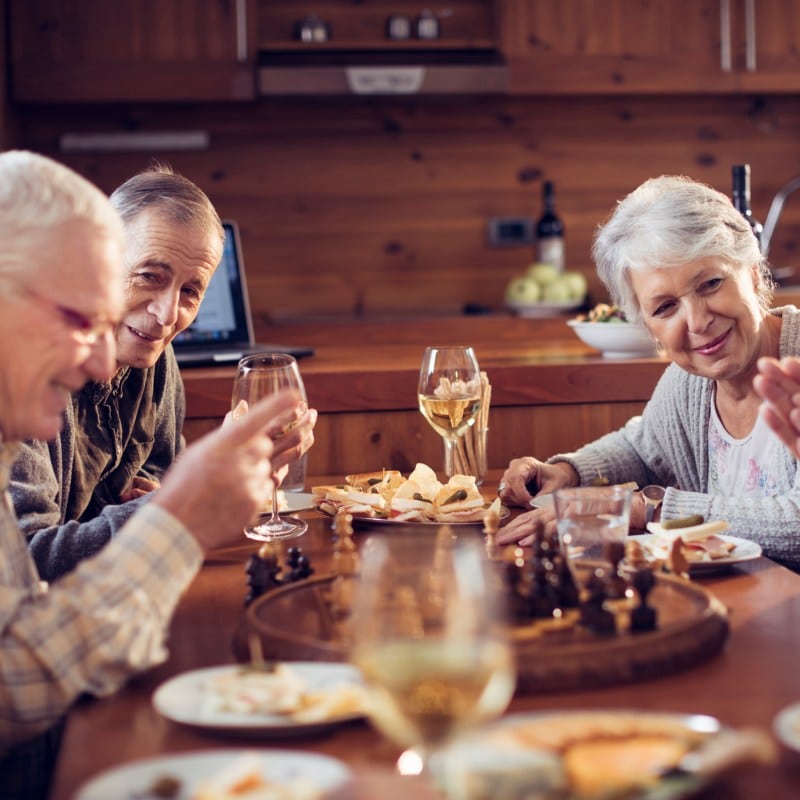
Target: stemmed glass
449	395
257	376
428	633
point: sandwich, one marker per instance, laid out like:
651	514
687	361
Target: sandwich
699	542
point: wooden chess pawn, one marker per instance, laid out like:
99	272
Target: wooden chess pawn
616	585
594	615
643	616
299	565
491	524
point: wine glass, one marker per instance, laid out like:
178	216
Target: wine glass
257	376
429	635
449	395
592	523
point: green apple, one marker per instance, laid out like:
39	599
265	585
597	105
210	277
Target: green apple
543	273
557	292
577	284
523	289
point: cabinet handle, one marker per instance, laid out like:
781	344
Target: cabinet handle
725	35
241	30
750	35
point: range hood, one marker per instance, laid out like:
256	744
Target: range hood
380	72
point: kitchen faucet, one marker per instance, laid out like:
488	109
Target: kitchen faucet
774	213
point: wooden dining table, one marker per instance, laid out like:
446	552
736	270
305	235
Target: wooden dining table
755	675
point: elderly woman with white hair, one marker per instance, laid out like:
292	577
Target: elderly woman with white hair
678	257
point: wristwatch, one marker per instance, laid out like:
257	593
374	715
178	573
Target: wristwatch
653	495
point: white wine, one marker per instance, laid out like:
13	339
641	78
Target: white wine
422	692
450	416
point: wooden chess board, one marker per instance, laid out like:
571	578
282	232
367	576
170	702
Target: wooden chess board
296	623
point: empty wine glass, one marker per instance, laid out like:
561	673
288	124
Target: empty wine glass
258	376
449	395
429	635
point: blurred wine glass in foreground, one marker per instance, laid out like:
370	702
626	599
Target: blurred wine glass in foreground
429	635
449	395
258	376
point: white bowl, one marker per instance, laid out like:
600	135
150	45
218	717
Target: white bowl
615	339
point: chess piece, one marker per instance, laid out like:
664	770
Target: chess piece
263	572
643	616
298	565
594	616
491	524
346	566
616	586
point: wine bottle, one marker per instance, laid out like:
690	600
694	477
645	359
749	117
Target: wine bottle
741	197
550	231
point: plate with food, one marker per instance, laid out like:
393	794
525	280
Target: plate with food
704	545
637	755
221	775
294	698
390	497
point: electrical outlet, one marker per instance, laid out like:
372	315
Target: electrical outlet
509	231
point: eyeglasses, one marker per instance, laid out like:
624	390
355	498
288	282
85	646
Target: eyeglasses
85	330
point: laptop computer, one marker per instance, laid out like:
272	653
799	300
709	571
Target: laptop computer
222	333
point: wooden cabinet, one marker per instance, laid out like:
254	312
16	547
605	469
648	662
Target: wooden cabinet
131	50
667	46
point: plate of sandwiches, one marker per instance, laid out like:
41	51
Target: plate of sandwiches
704	545
599	755
387	496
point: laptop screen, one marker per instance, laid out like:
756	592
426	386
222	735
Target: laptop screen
224	315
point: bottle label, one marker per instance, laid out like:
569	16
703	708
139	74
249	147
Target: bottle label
551	251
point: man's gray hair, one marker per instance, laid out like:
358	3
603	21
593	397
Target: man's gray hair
38	195
177	199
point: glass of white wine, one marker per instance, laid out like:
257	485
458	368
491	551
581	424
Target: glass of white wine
257	376
428	633
449	395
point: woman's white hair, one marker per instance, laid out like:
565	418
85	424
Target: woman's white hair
38	195
670	221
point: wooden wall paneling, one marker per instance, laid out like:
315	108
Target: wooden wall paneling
362	441
380	206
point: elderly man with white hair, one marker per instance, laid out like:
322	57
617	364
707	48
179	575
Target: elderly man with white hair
61	297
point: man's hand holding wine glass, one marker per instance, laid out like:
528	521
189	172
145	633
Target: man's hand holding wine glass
217	485
291	440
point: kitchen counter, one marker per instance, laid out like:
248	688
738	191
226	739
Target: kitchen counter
550	392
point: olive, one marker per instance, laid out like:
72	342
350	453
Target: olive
683	522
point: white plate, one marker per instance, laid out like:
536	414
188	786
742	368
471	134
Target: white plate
132	781
744	550
367	522
180	699
536	310
500	758
787	726
297	501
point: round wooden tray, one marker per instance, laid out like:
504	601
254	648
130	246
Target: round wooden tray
295	623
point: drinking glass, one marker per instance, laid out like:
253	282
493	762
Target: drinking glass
588	518
258	376
429	635
449	395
